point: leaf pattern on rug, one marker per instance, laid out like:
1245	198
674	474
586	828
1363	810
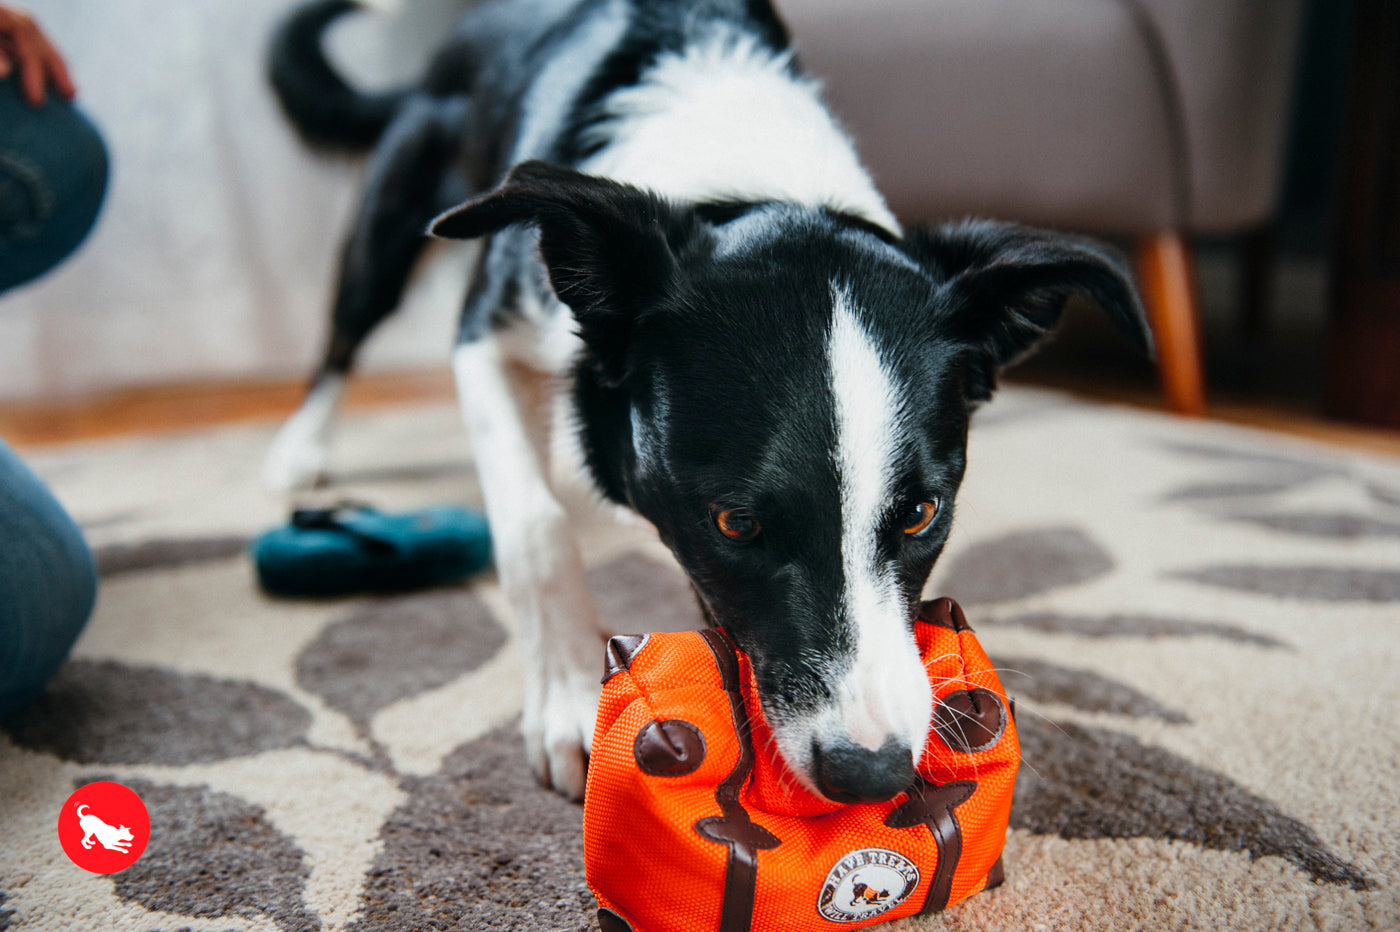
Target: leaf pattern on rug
1336	525
1078	781
1084	689
113	713
1238	456
214	855
166	553
480	845
1306	583
1251	474
1211	493
395	647
1383	494
1023	563
106	520
1272	474
1266	475
636	593
1150	627
1084	782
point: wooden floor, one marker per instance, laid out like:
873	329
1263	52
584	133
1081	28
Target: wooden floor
185	406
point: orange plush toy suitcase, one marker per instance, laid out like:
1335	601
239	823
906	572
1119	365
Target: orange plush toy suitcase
692	823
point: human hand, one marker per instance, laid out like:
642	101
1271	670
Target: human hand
23	45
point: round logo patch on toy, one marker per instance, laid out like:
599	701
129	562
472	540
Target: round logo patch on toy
866	883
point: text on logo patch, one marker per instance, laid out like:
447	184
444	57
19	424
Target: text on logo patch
866	883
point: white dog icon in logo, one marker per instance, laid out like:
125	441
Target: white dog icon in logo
111	837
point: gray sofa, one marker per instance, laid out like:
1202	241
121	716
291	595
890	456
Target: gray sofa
1155	119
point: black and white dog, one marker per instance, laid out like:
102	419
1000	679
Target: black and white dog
734	335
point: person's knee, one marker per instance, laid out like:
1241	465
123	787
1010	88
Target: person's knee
45	610
48	583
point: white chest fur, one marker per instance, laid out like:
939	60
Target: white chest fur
726	119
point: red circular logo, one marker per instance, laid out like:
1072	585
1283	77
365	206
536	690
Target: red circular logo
104	827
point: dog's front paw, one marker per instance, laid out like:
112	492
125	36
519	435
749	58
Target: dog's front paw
297	459
559	732
295	462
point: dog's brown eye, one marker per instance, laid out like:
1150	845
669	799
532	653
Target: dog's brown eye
737	523
918	518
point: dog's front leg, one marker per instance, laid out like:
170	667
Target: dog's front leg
538	561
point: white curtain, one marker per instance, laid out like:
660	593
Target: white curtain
214	254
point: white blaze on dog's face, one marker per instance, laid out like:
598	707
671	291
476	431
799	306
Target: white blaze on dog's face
883	694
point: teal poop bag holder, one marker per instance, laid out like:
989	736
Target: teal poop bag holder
353	548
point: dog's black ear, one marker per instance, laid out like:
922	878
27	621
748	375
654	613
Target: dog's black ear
1007	285
609	247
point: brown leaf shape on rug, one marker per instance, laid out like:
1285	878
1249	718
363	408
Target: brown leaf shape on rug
1139	626
165	553
1211	492
1251	473
213	855
1382	494
1308	583
107	519
1083	689
396	647
1254	457
1337	525
1021	564
1083	782
111	713
636	594
480	845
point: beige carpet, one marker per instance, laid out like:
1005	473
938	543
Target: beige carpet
1201	626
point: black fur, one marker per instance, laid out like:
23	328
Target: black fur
1028	273
326	110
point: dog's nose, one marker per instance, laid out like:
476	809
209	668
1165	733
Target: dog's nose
848	773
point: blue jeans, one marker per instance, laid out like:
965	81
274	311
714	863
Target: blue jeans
53	173
47	583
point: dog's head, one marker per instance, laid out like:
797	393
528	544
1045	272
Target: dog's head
785	393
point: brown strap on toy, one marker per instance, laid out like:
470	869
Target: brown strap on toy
734	828
933	806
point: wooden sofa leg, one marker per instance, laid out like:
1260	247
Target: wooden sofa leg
1167	275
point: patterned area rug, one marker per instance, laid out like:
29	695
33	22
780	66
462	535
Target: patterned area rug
1201	626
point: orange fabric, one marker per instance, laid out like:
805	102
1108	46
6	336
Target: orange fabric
833	865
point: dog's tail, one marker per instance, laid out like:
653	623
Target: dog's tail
327	111
81	807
